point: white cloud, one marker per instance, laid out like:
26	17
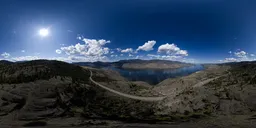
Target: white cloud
240	54
230	60
172	49
69	50
148	46
119	49
112	52
23	51
128	50
139	57
130	55
182	53
66	59
87	59
5	55
114	55
58	51
153	56
165	57
25	58
92	49
71	58
121	54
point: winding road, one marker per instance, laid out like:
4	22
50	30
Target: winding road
148	99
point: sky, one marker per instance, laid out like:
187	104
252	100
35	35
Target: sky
198	31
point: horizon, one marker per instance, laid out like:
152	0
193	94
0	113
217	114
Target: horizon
108	31
122	60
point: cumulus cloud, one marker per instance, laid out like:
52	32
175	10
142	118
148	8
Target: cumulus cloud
172	49
238	56
91	47
148	46
5	55
241	54
128	50
182	53
58	51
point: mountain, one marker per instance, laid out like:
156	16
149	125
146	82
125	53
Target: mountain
42	89
137	64
57	94
5	62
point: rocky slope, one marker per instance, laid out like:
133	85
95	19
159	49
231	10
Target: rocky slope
53	91
44	89
232	93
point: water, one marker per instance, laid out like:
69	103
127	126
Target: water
153	77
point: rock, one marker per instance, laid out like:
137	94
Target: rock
232	107
12	98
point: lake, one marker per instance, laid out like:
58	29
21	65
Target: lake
153	77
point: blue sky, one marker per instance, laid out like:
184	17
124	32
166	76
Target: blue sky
98	30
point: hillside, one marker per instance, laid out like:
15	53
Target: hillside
4	62
137	64
231	93
59	94
42	89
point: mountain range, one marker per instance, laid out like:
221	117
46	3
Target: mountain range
137	64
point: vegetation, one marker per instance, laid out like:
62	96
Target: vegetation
40	69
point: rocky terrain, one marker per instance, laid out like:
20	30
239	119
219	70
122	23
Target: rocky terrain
232	93
39	90
57	94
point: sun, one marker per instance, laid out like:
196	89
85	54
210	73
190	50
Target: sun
43	32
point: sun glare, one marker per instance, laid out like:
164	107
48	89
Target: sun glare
43	32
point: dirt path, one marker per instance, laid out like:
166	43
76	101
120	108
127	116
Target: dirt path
149	99
202	83
199	84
